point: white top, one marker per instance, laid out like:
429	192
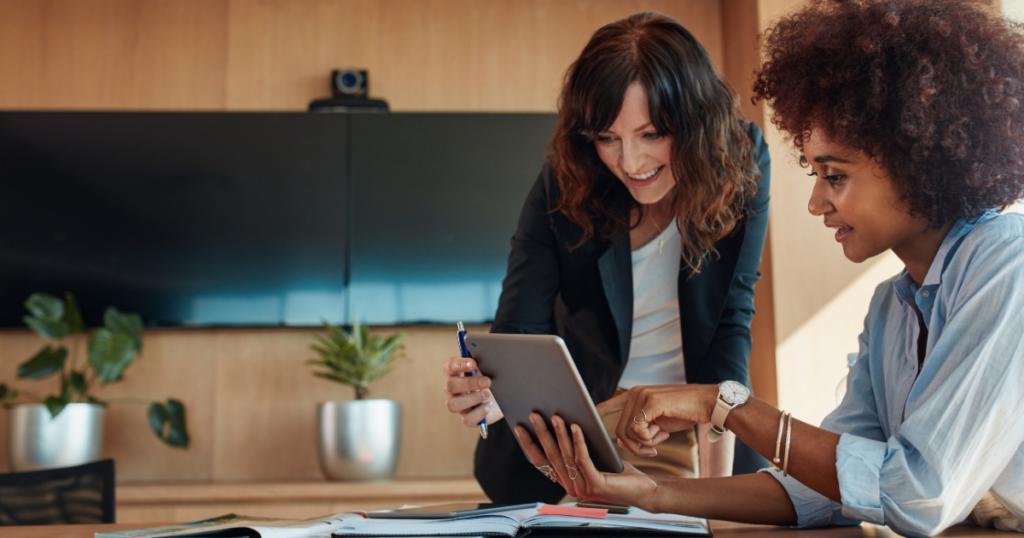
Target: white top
656	350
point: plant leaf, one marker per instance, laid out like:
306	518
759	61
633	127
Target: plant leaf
48	329
72	316
110	353
171	415
47	362
55	404
45	306
157	418
177	435
77	383
354	358
129	323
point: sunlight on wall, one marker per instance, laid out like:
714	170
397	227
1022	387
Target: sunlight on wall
1013	9
812	360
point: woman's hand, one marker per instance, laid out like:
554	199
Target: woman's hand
469	396
569	465
651	413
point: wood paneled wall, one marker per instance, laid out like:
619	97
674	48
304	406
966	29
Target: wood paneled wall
251	405
251	402
436	55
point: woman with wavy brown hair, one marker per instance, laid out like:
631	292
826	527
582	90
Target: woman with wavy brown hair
639	244
909	115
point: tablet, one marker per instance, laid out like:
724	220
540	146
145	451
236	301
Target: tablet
536	373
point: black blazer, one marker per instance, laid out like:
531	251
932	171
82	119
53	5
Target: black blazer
586	297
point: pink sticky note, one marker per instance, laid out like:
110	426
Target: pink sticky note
576	511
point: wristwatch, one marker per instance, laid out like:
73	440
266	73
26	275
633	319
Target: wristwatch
731	394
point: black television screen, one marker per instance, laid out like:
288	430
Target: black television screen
186	218
256	219
435	201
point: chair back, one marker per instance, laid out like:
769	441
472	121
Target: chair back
68	495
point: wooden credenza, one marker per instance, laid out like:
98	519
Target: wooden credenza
284	500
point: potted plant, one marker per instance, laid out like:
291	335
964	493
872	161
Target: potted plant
66	428
360	439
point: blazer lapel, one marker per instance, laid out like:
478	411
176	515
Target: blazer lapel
616	267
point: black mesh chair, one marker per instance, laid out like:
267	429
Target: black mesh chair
69	495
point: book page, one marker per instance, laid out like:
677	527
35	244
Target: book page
266	528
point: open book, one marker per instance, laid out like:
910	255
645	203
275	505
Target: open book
521	522
511	523
231	526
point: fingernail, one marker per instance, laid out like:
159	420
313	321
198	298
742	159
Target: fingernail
486	393
468	364
487	407
575	429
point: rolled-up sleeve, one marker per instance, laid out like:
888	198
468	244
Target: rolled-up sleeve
859	463
812	508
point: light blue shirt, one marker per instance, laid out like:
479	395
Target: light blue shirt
917	452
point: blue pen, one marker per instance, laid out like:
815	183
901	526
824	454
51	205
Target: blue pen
466	355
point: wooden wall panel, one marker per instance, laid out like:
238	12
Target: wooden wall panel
450	55
267	402
113	54
175	364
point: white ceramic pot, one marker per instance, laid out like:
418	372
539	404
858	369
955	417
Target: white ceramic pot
38	441
360	440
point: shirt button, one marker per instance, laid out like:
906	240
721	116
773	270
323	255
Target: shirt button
924	293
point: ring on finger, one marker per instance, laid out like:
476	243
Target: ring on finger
644	421
571	470
548	471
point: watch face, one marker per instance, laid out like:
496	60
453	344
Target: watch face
733	392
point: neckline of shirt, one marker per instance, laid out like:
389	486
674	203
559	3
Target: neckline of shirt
670	232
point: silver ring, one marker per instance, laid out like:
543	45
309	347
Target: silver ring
645	418
548	471
570	467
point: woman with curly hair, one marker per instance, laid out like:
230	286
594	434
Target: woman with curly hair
909	115
639	244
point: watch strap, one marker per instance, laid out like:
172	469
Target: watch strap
718	417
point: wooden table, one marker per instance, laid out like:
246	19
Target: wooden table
722	529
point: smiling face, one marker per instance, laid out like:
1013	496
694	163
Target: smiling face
636	152
856	196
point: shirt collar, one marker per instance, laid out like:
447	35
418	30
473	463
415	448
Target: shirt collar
906	288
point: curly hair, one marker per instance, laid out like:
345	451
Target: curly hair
931	89
712	156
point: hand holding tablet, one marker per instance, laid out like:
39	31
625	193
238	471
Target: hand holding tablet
536	374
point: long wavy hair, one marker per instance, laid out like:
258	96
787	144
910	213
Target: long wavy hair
712	156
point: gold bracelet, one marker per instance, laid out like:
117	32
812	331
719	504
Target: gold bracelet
778	443
789	434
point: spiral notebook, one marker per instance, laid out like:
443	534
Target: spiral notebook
518	523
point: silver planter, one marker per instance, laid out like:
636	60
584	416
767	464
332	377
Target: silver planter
38	441
359	440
